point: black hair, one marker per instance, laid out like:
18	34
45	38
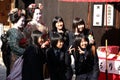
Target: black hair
55	20
78	40
77	21
15	16
55	38
35	35
30	12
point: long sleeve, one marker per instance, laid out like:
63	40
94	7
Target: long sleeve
69	71
13	40
96	64
32	64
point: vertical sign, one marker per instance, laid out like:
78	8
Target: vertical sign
97	14
109	16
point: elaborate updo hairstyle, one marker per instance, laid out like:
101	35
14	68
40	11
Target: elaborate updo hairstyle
15	14
30	10
55	20
77	21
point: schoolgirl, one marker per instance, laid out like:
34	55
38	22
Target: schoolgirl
58	60
86	61
34	58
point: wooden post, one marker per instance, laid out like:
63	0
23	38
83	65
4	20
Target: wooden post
12	4
106	71
89	15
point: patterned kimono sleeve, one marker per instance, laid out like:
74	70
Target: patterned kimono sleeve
13	41
27	30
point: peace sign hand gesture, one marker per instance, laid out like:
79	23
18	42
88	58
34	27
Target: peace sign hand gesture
71	49
80	51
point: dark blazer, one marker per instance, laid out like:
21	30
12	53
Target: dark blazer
34	59
58	64
86	64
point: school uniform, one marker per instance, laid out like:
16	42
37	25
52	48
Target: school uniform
86	65
34	58
57	65
65	37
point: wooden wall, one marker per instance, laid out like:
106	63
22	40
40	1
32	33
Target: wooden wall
69	11
112	34
5	6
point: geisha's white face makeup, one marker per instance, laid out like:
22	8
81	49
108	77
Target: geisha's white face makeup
60	44
21	22
83	43
37	15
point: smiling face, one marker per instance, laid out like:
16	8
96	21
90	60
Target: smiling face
59	44
37	15
81	27
59	25
40	40
83	43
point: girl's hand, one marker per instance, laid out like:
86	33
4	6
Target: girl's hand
45	44
80	51
71	49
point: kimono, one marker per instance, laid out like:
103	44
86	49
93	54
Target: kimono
32	26
14	38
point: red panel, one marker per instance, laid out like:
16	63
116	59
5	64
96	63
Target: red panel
90	0
102	76
111	49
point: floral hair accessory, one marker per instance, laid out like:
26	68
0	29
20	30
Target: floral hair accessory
32	5
40	5
16	10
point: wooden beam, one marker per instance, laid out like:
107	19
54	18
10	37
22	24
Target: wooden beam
12	4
